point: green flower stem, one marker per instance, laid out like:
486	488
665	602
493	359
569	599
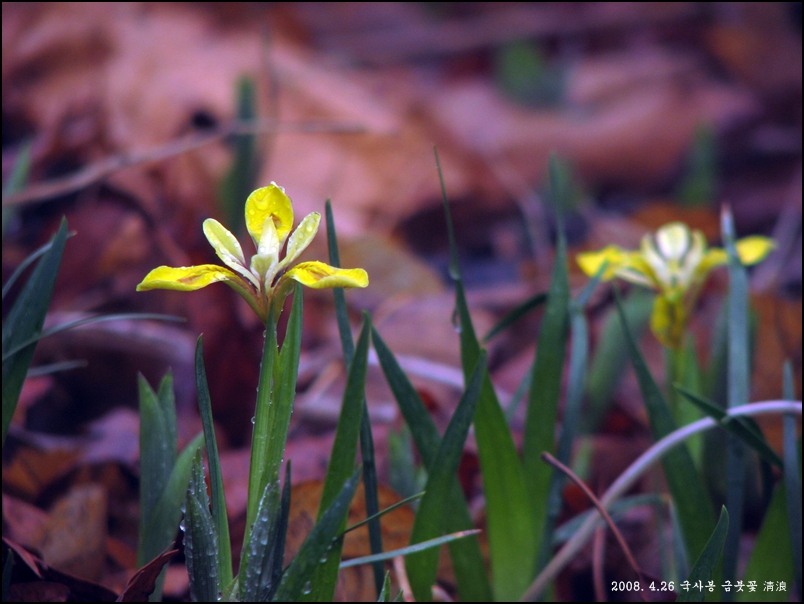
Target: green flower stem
674	373
258	478
627	479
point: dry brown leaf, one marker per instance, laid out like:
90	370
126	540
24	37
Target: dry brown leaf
31	470
74	536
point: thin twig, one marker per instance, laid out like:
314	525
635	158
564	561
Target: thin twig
588	492
60	186
598	553
632	474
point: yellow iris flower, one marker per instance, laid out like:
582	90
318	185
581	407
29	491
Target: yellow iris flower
267	279
675	262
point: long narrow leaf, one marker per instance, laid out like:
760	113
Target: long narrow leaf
572	412
772	558
286	372
200	539
512	547
739	376
743	427
160	529
611	356
382	513
410	549
694	510
366	439
792	474
157	458
517	313
704	568
385	592
87	321
547	373
467	559
298	582
158	451
429	522
282	531
342	459
219	514
341	314
25	320
256	576
29	260
258	476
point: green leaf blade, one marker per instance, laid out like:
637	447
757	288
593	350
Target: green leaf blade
219	514
298	582
25	320
512	547
200	539
366	439
686	486
342	459
429	522
467	559
704	568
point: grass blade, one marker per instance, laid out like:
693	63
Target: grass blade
704	567
694	510
429	521
738	389
611	356
24	321
87	321
255	571
258	476
467	559
410	549
743	427
772	558
547	372
298	582
385	592
342	459
157	458
792	474
366	439
572	412
341	314
286	372
512	547
200	539
160	528
382	513
219	514
29	260
516	314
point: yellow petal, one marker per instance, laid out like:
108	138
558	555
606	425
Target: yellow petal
754	249
266	261
635	269
187	278
269	202
714	257
301	237
590	262
321	276
227	247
